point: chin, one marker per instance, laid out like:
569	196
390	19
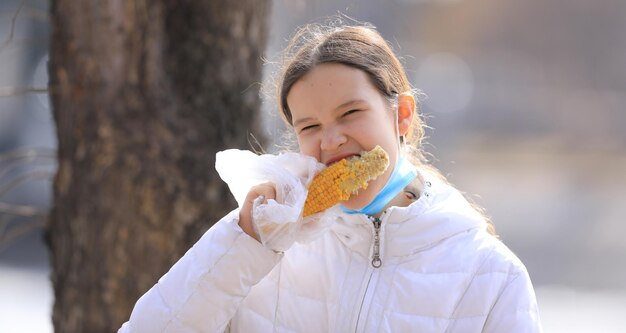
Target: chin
364	197
359	201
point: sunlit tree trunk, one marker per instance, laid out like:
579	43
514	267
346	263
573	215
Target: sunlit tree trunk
144	94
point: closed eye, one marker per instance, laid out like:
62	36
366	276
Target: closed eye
309	127
351	112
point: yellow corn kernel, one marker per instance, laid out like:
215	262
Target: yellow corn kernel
344	178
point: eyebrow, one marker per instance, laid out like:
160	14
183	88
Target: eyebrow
350	102
343	105
302	120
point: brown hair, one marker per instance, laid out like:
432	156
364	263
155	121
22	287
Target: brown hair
362	47
358	46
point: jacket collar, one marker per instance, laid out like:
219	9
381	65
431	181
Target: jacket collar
440	212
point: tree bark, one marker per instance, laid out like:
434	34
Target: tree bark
144	93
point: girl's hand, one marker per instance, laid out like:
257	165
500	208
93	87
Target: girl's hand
265	190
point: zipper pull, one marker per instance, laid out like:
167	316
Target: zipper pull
376	262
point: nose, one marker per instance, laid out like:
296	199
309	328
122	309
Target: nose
332	138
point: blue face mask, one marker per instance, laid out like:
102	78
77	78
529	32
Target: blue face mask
402	175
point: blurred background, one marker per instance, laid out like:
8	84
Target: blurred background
526	101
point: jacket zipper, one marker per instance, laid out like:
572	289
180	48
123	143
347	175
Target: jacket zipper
376	263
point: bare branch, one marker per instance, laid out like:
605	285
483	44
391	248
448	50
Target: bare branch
27	153
8	236
14	19
20	91
12	31
4	189
21	210
34	215
14	167
25	157
11	40
35	13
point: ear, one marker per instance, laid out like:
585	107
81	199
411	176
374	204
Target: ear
406	112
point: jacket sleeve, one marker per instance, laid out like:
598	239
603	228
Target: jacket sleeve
515	310
203	290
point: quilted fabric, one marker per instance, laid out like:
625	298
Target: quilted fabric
441	272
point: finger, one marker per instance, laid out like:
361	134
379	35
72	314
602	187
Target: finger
259	200
266	190
269	191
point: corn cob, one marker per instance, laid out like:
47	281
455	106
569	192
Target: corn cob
344	178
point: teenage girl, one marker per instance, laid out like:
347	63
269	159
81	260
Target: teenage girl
408	254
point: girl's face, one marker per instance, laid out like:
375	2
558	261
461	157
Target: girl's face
337	112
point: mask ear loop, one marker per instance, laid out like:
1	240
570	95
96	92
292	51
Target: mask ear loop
399	138
401	141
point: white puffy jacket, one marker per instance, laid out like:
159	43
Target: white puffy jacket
440	271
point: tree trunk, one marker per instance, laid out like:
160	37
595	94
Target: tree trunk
144	93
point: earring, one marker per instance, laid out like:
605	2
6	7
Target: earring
402	139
